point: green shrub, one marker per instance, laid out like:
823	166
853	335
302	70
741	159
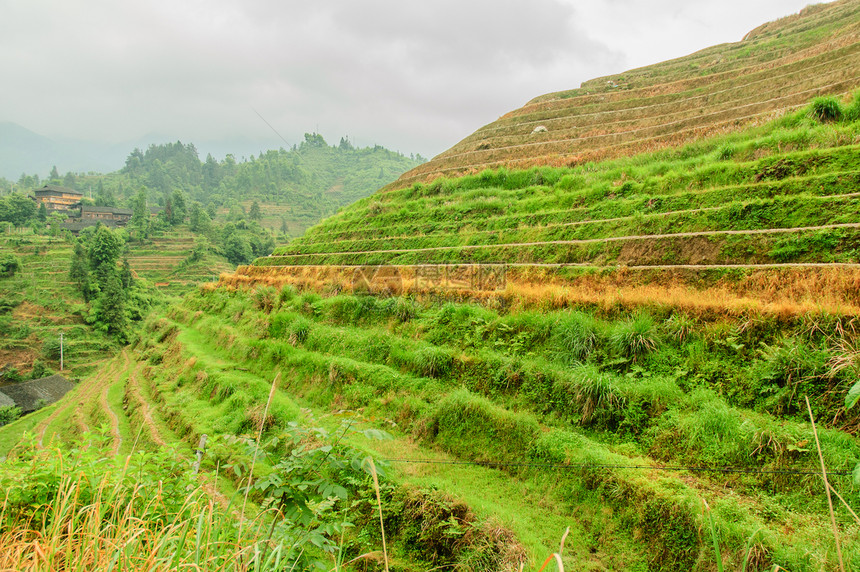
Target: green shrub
635	337
51	348
726	152
852	110
826	109
310	304
404	309
9	265
299	330
680	326
575	336
265	298
287	294
9	414
587	394
432	361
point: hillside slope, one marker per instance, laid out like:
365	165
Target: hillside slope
765	216
620	349
776	67
731	175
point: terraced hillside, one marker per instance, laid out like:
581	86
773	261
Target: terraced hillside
779	66
614	424
40	302
768	215
165	260
613	345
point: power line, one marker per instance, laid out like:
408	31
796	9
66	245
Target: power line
692	468
270	127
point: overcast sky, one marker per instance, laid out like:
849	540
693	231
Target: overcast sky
412	76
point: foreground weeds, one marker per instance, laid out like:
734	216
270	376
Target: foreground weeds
77	509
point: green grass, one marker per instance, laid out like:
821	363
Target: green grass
792	173
500	398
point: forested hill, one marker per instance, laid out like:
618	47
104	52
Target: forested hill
297	187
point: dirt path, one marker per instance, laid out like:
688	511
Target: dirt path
581	265
114	420
133	390
84	394
583	240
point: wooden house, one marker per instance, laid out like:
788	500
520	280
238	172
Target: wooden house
119	217
57	198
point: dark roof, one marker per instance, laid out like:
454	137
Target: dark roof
5	400
88	208
57	189
28	394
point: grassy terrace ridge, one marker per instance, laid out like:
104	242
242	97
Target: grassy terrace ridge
592	405
780	66
784	193
450	378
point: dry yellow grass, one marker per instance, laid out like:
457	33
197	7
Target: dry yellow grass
774	291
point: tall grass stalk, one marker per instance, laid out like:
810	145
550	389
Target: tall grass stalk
256	454
826	486
555	555
714	536
379	504
99	533
850	510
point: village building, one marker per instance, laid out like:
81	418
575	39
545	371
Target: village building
37	393
65	201
107	215
57	198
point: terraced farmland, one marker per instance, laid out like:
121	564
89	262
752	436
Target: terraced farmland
776	68
605	331
164	260
41	303
740	212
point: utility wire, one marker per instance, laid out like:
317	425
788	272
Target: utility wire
700	469
270	127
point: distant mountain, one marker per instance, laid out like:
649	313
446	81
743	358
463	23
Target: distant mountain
24	151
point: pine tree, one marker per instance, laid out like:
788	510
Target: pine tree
255	213
139	222
79	273
110	309
126	277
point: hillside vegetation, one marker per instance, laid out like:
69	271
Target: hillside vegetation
604	347
765	216
294	187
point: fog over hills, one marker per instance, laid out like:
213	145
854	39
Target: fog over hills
24	151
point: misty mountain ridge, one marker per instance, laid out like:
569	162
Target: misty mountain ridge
25	151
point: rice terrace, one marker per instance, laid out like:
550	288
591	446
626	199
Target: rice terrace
618	328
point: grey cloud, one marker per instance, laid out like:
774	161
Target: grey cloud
412	76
